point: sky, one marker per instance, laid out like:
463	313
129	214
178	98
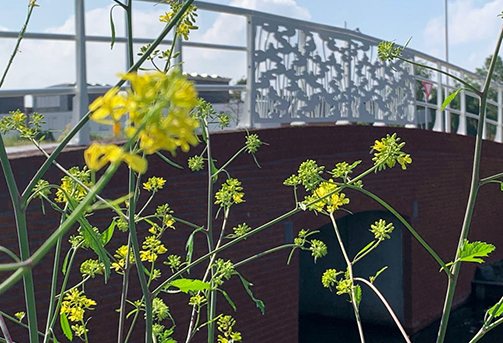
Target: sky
473	30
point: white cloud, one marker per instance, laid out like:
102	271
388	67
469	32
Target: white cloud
231	30
45	63
470	23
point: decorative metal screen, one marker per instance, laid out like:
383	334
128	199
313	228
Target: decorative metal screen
312	74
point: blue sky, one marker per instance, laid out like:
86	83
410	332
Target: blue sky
473	27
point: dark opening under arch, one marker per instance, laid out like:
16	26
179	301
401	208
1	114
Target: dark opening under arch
315	300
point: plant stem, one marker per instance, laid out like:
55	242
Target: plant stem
54	281
133	323
388	307
263	253
45	166
23	240
54	315
485	330
16	321
463	82
351	277
139	264
490	178
209	227
125	286
31	6
474	186
406	224
5	330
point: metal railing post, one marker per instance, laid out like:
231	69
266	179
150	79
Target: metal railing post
462	115
81	101
499	135
178	49
247	117
439	125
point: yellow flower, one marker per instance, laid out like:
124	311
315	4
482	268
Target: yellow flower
332	202
111	104
154	184
148	256
166	18
75	304
97	156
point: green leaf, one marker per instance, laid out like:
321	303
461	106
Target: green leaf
131	313
358	295
373	278
260	304
65	262
449	99
497	309
186	285
168	161
96	243
112	27
501	186
226	296
106	236
472	252
65	326
367	247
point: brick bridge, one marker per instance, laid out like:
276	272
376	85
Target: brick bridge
431	194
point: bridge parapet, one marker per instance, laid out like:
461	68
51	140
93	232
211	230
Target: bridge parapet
299	72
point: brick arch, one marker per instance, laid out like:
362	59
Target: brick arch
432	193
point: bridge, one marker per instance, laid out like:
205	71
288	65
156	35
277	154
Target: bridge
304	81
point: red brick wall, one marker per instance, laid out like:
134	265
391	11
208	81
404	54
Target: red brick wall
437	180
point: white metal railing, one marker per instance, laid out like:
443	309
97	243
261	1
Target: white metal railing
304	72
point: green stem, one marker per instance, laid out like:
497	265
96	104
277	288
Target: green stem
485	330
133	323
351	277
10	253
31	6
209	236
475	90
139	264
223	247
85	331
54	315
54	282
23	240
16	321
59	232
125	287
474	187
358	257
490	178
406	224
5	330
388	307
230	160
74	179
263	253
45	166
168	60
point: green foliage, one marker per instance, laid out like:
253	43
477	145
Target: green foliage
190	285
474	251
229	194
381	229
65	326
388	51
379	272
449	99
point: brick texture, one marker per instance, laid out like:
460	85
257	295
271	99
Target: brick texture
437	181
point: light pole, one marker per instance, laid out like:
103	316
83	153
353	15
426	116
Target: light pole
447	91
